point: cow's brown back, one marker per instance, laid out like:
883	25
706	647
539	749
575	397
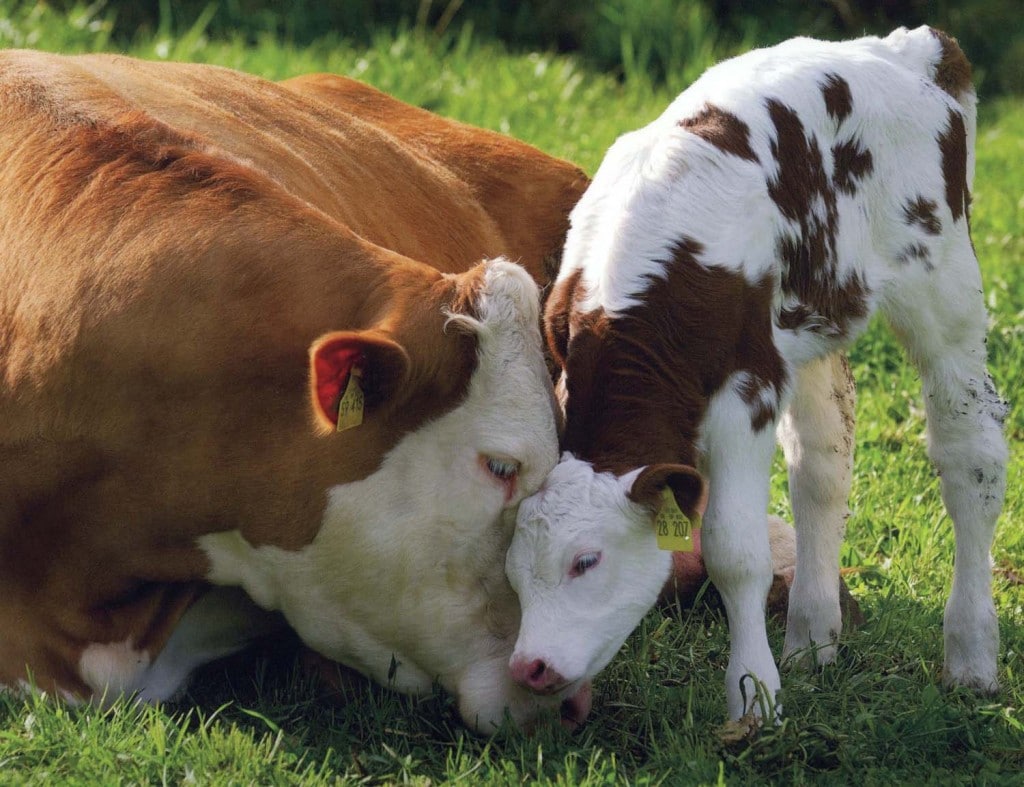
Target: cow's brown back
515	184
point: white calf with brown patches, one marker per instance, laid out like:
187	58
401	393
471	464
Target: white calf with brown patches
720	259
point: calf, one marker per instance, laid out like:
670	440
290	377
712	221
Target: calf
720	259
247	341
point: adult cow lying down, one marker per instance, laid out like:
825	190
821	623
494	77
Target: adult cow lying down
719	259
198	269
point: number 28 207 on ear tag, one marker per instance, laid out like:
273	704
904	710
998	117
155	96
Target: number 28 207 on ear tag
673	526
350	406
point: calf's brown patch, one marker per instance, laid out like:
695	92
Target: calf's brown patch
639	384
851	163
918	252
953	148
838	99
805	195
556	315
723	130
953	72
921	212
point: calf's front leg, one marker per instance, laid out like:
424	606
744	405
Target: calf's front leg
737	460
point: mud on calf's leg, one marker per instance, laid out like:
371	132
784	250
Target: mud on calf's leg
942	322
816	433
966	444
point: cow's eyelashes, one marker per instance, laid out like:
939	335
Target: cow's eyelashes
503	469
584	562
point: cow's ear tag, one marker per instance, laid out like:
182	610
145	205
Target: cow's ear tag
350	406
674	528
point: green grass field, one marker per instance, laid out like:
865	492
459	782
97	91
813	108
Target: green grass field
877	717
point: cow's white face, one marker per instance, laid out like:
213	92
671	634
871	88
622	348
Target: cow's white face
405	580
585	562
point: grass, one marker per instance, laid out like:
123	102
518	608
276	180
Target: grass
877	717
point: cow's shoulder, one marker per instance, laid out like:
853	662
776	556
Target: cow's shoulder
82	122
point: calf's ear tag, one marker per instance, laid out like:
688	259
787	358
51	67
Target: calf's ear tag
673	526
350	406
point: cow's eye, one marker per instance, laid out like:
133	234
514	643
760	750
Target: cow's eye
503	469
584	562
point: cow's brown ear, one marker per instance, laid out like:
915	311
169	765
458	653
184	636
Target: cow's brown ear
556	316
686	483
356	370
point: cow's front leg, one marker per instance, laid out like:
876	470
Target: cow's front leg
816	433
737	460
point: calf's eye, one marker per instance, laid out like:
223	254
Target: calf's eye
584	562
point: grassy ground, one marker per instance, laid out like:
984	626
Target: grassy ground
877	717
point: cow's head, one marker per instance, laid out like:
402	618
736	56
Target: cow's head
585	562
405	581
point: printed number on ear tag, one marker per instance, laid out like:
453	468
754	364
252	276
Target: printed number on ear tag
673	527
350	406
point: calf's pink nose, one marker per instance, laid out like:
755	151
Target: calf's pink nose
536	676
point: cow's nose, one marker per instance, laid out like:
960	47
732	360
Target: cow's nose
576	708
536	676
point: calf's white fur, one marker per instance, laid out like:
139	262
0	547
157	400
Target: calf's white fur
820	181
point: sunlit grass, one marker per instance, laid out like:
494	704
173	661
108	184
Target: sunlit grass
878	716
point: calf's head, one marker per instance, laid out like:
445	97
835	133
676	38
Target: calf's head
585	563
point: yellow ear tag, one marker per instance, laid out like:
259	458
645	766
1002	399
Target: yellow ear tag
350	406
673	527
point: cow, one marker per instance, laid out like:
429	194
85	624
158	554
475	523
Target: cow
267	352
721	260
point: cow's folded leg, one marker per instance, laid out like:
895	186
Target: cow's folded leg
222	621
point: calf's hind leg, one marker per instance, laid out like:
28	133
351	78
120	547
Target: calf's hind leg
816	433
940	318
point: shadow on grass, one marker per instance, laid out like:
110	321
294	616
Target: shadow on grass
878	713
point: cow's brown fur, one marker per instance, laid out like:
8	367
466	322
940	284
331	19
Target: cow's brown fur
174	237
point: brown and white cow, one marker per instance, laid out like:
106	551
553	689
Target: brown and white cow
719	260
194	265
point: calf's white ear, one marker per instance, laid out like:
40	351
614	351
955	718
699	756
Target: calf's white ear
379	364
686	484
